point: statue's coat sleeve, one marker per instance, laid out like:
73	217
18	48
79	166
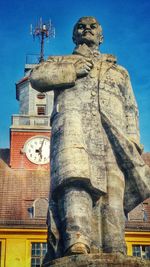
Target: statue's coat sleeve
53	73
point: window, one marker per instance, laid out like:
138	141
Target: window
142	251
41	96
41	110
38	251
40	208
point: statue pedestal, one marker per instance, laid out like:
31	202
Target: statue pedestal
98	260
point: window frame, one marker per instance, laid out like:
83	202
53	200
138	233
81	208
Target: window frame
29	247
35	212
142	254
2	252
35	256
44	109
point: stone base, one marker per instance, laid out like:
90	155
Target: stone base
98	260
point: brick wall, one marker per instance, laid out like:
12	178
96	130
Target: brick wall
18	160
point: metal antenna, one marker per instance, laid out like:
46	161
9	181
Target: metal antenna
42	31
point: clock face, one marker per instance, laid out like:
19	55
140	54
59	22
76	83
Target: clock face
37	149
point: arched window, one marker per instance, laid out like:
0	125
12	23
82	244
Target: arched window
40	207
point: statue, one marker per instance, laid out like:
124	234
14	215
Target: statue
97	173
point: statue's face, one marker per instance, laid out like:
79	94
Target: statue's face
88	31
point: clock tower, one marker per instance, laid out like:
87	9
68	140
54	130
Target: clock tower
30	129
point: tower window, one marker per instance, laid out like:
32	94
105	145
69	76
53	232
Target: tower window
41	110
41	96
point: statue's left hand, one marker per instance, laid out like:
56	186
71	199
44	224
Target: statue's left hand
83	66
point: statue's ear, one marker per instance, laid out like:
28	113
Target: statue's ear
101	39
74	39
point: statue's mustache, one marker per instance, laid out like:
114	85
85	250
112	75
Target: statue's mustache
87	31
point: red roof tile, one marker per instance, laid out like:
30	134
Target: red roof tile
18	190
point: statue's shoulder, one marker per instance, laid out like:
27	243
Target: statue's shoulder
123	71
112	59
64	58
109	58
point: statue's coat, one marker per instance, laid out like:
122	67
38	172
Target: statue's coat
91	114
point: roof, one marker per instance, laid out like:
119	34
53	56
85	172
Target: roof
23	80
137	226
146	157
18	191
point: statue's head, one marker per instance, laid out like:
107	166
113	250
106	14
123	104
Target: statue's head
87	30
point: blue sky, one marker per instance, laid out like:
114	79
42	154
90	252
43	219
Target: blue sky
126	29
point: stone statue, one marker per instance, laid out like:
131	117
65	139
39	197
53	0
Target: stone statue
97	173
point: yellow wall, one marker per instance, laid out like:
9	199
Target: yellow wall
16	244
16	252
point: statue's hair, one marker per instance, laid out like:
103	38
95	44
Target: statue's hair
76	25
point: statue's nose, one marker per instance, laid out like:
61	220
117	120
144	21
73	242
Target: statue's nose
88	27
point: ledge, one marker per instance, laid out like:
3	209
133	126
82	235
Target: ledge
98	260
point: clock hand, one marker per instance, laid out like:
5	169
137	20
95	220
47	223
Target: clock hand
40	148
42	143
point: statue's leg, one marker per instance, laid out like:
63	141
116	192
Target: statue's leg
75	211
113	218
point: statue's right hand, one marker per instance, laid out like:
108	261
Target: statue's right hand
83	66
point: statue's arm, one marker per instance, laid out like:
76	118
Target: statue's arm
52	74
132	115
59	72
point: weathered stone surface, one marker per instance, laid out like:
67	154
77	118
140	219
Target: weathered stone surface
98	260
97	172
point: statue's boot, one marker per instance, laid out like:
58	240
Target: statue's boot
78	248
75	213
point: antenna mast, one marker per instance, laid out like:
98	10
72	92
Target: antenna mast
42	31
